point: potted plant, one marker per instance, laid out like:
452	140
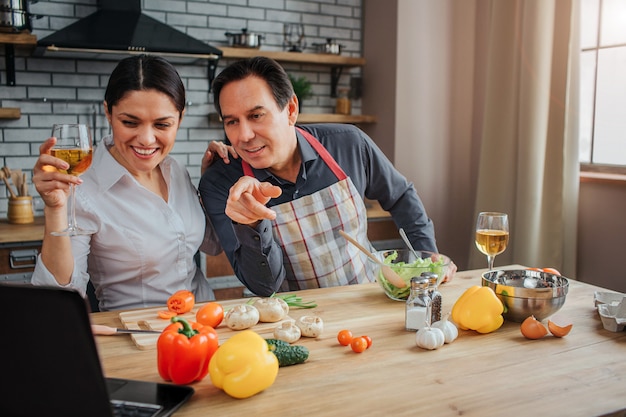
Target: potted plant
302	87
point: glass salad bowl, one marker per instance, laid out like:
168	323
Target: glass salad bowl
407	265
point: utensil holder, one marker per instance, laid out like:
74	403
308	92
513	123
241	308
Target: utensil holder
20	210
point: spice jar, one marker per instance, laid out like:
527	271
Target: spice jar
435	295
418	305
343	105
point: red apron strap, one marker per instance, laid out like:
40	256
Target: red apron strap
319	148
247	169
330	161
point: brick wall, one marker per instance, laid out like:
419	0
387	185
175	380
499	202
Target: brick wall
52	90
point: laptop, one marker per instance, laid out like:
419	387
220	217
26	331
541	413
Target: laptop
50	365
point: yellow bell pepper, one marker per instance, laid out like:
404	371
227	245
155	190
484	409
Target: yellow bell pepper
478	308
243	365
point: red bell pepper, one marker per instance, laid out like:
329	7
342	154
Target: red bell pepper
184	351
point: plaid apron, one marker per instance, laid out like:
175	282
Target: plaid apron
315	255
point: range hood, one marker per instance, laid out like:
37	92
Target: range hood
119	28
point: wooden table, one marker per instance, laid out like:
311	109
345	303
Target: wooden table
496	374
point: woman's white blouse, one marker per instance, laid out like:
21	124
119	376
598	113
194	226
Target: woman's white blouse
143	248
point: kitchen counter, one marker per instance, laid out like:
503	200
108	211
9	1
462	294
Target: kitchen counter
12	233
495	374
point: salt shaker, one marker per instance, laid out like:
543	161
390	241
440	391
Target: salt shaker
435	295
418	305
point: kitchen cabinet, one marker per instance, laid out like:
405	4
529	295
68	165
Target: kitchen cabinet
336	63
19	246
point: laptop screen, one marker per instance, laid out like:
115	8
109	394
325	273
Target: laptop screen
50	362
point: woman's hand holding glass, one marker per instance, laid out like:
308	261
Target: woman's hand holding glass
62	158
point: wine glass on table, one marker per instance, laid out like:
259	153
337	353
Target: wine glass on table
75	146
492	234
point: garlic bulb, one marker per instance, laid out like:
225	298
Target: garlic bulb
429	338
449	329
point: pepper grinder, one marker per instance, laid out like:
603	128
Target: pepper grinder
435	295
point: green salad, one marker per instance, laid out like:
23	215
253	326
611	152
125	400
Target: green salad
407	271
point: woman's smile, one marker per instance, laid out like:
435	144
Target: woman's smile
144	152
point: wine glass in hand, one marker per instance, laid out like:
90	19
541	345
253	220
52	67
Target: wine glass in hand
492	234
74	145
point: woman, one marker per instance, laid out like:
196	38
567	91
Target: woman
145	211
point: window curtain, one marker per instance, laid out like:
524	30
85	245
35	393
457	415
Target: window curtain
528	165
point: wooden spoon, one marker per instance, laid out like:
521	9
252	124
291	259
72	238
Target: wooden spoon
389	274
6	181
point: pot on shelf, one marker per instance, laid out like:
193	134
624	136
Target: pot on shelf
330	47
245	39
15	16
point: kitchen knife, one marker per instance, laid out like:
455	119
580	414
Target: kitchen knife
99	329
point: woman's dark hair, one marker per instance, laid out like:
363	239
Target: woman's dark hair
145	72
265	68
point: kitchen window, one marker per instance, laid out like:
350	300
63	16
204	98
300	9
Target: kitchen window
603	86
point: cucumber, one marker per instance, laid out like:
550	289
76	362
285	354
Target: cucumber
286	354
276	343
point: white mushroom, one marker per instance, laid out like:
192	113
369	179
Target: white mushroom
310	326
287	332
241	317
271	309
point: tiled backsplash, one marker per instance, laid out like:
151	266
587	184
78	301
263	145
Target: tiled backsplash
50	90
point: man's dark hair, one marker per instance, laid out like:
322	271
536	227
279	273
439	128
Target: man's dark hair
265	68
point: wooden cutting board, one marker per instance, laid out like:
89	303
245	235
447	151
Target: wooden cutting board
148	319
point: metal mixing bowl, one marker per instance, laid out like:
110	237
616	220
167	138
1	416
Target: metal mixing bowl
525	292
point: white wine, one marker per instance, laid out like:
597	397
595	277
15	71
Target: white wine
79	159
491	242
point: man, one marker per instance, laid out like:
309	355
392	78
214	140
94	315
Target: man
279	207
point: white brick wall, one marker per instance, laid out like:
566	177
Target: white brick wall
52	90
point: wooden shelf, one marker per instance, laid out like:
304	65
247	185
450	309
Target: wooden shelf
295	57
336	62
10	113
305	118
10	41
22	38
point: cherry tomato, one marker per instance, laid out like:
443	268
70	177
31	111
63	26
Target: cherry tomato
369	341
359	344
181	302
210	314
344	337
166	314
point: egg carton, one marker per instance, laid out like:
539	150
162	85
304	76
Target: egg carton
612	310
